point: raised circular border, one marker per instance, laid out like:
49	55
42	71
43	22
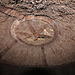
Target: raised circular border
37	17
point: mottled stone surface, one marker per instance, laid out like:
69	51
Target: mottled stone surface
60	51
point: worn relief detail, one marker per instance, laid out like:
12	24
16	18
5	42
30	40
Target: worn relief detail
35	30
28	5
33	5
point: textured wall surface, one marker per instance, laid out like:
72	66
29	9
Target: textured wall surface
58	52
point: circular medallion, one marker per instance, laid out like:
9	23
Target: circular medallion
34	30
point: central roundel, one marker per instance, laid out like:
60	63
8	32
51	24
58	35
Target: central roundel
34	30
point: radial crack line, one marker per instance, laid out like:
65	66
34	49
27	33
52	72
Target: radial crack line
44	56
8	48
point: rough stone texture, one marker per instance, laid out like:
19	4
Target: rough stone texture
59	52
